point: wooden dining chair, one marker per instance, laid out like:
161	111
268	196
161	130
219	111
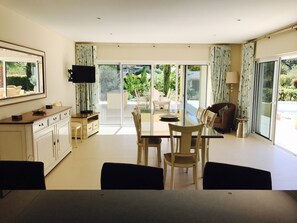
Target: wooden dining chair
200	115
182	156
207	120
152	142
126	176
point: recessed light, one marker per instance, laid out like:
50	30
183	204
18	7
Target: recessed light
99	18
238	20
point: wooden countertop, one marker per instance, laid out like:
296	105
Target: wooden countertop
29	118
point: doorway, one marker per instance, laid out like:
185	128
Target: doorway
265	101
286	115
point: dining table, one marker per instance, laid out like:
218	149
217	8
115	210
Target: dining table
155	125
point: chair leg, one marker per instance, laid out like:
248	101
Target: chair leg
195	177
139	154
75	136
159	155
80	130
172	177
165	171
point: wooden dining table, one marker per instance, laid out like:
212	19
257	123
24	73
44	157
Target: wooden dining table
152	126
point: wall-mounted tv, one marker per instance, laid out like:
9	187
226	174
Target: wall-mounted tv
83	74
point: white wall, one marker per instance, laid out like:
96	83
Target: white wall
60	56
277	45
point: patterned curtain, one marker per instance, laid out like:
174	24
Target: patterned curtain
87	94
220	60
245	98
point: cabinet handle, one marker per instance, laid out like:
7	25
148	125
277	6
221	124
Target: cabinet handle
40	124
54	143
55	118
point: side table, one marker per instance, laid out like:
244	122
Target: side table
242	128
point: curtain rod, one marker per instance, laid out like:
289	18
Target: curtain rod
277	32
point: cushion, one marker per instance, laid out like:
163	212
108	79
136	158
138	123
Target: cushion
223	109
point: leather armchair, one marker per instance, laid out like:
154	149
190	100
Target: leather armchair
224	121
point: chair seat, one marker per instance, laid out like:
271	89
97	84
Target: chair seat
190	160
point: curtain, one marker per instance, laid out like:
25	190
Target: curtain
245	98
220	60
87	94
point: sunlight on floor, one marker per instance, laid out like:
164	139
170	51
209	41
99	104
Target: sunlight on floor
116	130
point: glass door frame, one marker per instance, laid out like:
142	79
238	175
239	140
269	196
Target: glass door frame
256	87
153	64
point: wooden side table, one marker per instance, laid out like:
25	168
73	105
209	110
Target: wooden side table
242	128
89	122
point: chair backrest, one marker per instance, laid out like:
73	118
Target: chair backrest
137	123
221	176
131	176
200	114
22	175
186	133
209	118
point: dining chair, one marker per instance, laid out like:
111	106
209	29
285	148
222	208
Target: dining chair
222	176
21	175
182	155
200	114
131	176
152	142
207	120
161	106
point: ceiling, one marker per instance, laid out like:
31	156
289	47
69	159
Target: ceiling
159	21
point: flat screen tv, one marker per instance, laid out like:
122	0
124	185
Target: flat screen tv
83	74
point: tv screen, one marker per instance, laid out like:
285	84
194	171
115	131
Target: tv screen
83	74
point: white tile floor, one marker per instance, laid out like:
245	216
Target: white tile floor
81	168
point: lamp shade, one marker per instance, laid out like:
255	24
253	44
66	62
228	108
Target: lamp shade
232	78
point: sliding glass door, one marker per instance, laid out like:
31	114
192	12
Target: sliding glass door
136	89
194	87
265	98
110	96
123	86
286	116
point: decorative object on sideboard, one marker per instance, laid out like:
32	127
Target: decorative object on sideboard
16	117
40	112
48	106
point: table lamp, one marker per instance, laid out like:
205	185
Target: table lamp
231	78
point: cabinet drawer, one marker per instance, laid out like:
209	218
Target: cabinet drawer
89	127
65	114
95	125
40	125
53	119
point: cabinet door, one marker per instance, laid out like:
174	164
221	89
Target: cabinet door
45	147
63	137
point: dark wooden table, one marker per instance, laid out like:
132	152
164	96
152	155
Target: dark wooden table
149	206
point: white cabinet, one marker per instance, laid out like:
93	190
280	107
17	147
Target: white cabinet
37	138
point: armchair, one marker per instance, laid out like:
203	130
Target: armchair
224	121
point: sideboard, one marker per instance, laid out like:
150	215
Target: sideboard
45	137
